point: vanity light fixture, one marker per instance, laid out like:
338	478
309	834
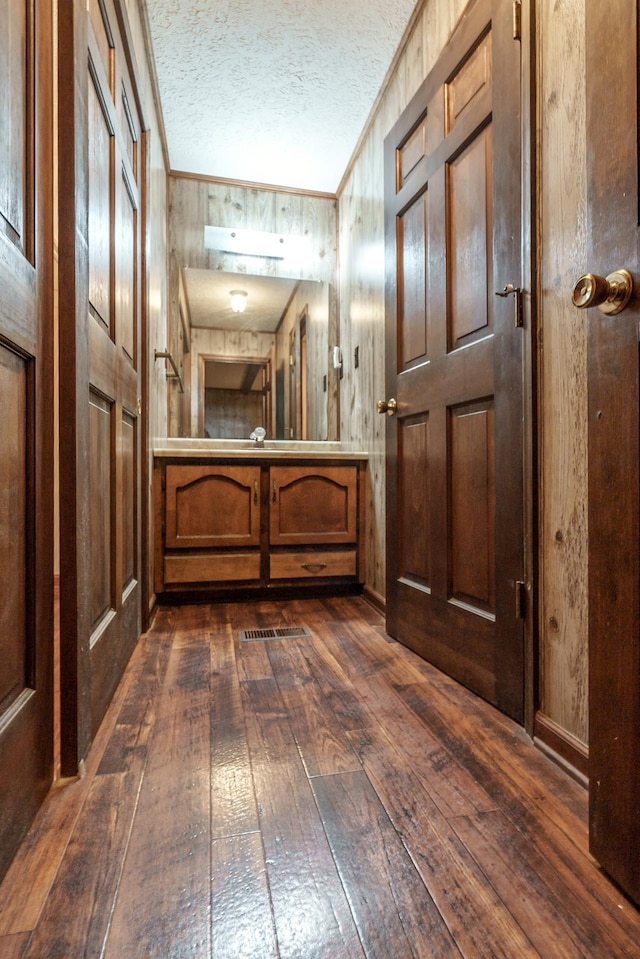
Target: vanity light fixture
273	246
238	301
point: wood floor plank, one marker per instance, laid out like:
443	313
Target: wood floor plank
242	921
395	665
233	804
30	877
539	840
395	915
503	767
360	660
220	616
334	683
129	740
499	728
172	619
253	662
348	608
479	921
12	947
31	874
449	800
452	788
310	908
542	895
75	917
163	907
319	734
540	798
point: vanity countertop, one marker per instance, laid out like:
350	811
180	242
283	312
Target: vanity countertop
188	448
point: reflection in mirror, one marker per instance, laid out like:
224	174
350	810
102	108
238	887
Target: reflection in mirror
237	394
267	366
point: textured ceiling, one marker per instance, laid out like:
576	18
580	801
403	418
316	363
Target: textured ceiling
271	91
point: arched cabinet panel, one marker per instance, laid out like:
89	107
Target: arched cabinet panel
313	504
212	506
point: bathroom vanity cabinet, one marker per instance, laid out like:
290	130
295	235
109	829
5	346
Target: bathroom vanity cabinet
257	522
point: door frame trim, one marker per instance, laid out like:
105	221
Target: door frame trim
75	684
530	257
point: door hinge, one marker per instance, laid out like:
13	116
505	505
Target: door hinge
517	19
521	599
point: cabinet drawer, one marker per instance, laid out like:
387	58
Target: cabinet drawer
310	565
208	568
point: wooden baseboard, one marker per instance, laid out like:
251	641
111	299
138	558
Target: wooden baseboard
374	599
562	748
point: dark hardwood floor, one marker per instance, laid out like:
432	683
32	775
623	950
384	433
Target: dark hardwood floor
318	798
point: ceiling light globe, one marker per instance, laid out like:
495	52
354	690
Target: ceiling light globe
238	301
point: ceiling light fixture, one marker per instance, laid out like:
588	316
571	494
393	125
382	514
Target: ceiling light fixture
238	301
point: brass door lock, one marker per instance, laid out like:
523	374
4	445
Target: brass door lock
387	406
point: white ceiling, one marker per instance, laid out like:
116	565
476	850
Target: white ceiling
271	91
209	297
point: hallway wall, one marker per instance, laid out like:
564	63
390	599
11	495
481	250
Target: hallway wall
561	396
562	362
563	367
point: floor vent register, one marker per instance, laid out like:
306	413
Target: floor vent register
279	632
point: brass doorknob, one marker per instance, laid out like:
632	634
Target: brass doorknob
387	406
610	294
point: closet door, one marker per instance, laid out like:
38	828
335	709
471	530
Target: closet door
102	197
26	408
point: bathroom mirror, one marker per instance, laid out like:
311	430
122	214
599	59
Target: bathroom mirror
268	365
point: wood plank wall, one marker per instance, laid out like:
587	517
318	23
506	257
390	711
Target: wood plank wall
562	386
563	367
194	203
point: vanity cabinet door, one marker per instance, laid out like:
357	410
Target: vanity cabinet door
212	506
310	505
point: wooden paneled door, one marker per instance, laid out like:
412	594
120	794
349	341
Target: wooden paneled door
102	189
26	408
455	591
614	446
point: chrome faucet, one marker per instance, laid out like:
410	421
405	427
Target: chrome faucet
258	436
